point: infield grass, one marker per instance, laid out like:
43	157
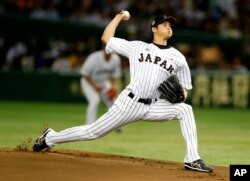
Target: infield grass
223	134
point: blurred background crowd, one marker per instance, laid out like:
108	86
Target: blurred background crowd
224	19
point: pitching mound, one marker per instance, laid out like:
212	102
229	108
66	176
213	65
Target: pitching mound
65	165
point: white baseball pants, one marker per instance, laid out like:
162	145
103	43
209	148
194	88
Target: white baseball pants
126	110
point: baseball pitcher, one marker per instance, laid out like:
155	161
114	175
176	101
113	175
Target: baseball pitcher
156	70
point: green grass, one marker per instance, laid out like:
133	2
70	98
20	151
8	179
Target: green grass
223	134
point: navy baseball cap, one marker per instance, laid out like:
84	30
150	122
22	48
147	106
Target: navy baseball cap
162	18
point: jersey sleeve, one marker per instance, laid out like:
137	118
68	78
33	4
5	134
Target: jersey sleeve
184	75
117	69
119	46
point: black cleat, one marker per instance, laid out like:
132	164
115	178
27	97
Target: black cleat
198	165
40	144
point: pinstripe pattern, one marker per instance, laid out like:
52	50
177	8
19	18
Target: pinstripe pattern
163	111
149	66
124	111
147	75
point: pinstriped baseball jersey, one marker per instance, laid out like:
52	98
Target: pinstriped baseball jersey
150	65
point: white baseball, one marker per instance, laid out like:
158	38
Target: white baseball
127	15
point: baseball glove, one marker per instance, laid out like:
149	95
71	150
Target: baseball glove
171	90
111	93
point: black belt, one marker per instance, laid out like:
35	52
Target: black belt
141	100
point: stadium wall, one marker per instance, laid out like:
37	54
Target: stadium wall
210	89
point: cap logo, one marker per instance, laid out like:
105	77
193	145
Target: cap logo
153	23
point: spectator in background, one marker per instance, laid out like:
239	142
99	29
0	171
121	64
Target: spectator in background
229	7
14	54
238	66
210	57
45	12
229	28
28	62
225	18
56	47
61	64
38	11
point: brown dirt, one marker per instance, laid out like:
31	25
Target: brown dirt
72	165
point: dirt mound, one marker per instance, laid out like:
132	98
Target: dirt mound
65	165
